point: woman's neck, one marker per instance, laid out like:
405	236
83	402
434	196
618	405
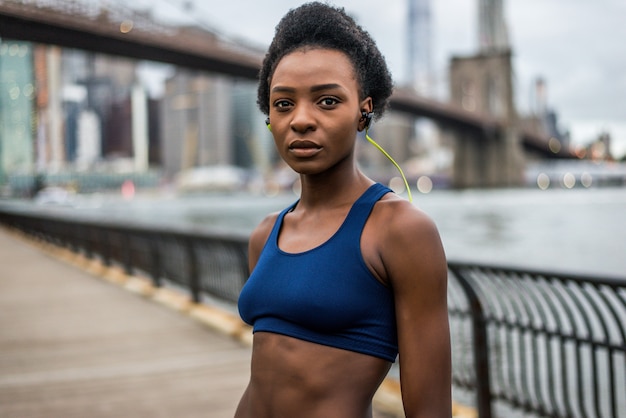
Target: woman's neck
326	191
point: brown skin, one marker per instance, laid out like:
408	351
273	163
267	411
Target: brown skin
315	112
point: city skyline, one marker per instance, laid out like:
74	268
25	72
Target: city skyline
574	46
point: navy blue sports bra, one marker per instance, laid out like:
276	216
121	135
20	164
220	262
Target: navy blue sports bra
325	295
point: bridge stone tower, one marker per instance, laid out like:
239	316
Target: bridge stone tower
483	84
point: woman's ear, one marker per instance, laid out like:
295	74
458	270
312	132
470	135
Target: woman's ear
366	114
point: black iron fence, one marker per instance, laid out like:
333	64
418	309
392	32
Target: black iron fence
543	343
538	343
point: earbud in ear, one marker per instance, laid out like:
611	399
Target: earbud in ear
269	126
368	118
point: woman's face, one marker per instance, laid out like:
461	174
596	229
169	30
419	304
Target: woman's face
315	109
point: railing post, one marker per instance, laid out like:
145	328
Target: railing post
480	348
106	247
128	256
87	245
194	271
157	263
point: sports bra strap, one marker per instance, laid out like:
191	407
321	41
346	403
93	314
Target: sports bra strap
360	212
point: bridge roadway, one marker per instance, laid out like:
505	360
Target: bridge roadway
79	340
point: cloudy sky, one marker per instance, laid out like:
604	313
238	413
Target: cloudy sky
577	46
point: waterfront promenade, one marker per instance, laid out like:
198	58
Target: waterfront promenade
74	345
78	341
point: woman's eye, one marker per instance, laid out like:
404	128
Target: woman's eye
329	101
282	104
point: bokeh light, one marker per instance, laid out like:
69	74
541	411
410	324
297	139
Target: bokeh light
586	179
397	185
554	145
424	184
569	180
543	181
126	26
128	189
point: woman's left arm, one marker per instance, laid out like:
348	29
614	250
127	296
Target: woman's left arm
417	270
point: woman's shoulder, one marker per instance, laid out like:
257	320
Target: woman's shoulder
408	239
396	215
262	231
259	237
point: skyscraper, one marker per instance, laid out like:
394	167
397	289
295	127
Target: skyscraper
492	29
419	61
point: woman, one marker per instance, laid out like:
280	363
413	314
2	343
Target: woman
351	274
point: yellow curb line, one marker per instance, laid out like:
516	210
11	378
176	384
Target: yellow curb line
387	399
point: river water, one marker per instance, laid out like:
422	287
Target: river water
578	230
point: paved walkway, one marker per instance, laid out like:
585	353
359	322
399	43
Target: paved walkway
81	341
74	345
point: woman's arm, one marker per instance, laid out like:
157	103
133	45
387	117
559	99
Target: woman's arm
417	271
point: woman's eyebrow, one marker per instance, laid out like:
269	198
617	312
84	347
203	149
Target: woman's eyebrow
283	89
329	86
313	89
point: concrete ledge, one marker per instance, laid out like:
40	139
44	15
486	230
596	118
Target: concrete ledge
140	286
219	320
115	274
172	299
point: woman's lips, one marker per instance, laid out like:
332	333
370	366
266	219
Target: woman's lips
304	149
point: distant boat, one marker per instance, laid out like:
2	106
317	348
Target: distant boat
211	178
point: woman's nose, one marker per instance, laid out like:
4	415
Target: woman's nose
302	119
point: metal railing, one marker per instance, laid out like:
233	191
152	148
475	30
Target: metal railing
203	261
539	343
544	343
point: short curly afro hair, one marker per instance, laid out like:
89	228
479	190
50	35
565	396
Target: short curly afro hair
318	25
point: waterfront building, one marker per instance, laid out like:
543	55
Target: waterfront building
195	118
17	93
253	143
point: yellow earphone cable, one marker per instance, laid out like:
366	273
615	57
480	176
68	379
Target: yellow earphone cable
406	183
